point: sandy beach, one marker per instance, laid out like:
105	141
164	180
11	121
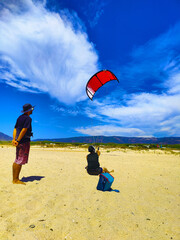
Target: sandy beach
60	200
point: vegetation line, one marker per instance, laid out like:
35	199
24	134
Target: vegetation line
101	145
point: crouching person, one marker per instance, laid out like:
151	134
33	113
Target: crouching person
93	167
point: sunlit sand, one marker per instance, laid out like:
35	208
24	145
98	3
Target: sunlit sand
60	200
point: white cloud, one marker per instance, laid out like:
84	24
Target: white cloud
146	112
110	130
173	84
144	115
44	51
144	107
171	125
66	110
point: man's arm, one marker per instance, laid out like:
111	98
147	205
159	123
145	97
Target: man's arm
98	152
14	143
21	135
14	134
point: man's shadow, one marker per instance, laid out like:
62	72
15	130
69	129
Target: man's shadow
32	178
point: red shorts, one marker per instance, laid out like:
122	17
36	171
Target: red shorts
22	153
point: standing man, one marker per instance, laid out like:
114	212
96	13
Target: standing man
21	139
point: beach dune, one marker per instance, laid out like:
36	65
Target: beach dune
60	200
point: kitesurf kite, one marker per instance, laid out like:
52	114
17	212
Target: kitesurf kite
98	80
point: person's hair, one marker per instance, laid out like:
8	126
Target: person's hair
91	149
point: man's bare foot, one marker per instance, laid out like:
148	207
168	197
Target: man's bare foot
18	182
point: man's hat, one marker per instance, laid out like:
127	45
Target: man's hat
27	107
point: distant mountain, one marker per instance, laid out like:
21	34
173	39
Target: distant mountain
4	137
116	139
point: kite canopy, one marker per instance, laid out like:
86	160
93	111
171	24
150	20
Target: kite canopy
98	80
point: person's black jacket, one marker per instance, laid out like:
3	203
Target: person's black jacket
93	161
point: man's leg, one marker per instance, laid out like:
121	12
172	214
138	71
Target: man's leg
105	170
16	172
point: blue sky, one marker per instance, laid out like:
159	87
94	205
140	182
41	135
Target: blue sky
49	50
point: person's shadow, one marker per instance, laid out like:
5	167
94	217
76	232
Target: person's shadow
114	190
110	190
32	178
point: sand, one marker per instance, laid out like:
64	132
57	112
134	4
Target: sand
60	200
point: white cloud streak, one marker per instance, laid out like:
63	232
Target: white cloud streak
44	52
144	115
94	11
73	111
110	130
143	108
